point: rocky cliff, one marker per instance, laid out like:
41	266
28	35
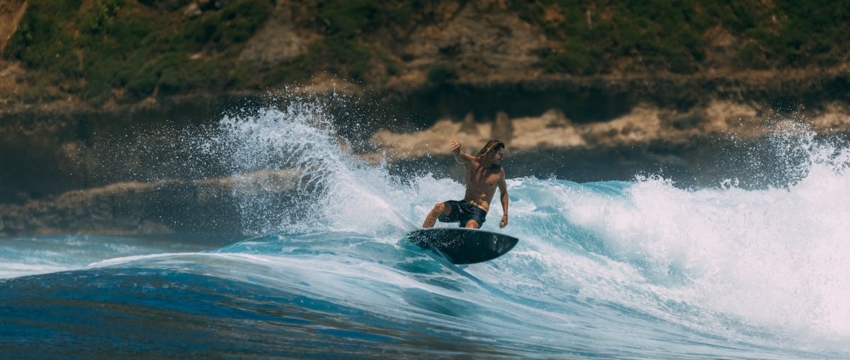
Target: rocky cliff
113	52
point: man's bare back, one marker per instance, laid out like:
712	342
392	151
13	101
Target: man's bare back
483	176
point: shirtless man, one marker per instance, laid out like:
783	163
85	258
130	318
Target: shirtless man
483	175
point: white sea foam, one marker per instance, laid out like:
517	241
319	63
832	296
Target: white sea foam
773	257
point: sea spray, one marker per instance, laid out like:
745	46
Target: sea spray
769	257
320	182
774	258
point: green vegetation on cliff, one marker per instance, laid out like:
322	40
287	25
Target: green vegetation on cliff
675	35
124	49
128	50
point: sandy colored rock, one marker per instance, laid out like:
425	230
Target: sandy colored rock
468	125
503	128
472	35
551	129
722	47
11	13
276	42
434	140
835	119
724	116
641	125
644	124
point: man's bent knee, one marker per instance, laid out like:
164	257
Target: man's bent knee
472	224
431	219
441	208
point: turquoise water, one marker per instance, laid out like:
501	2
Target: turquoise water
620	270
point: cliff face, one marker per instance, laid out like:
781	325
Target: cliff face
119	52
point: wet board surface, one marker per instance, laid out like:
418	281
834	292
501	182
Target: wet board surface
463	246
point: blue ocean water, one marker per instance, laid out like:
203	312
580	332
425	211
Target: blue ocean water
615	270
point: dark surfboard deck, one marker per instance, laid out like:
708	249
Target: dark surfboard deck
463	246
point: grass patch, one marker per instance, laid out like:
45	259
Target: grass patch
120	44
96	48
595	36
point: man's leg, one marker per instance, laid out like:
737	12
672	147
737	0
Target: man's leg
439	209
476	218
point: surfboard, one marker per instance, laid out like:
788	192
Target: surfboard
463	246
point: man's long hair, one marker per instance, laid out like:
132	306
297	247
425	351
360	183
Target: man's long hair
492	145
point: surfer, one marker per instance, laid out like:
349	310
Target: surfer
483	176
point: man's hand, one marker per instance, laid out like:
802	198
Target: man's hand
503	222
455	146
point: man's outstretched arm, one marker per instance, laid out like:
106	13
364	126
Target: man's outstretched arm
503	197
459	155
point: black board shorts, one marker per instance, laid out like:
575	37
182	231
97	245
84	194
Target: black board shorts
463	211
